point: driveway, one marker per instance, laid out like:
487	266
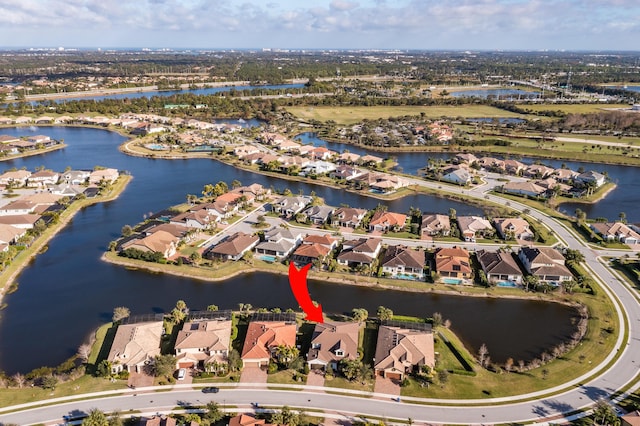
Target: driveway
138	380
384	385
315	378
253	375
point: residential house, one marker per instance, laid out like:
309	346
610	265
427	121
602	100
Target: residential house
135	346
348	217
233	247
435	225
524	188
253	191
632	418
592	178
318	167
386	221
472	227
76	177
513	228
456	175
9	234
107	175
465	158
565	175
158	420
320	153
514	167
332	342
263	338
348	158
453	263
17	207
360	252
546	263
8	139
43	178
386	183
314	248
279	243
403	349
197	219
370	160
23	221
318	215
499	266
289	206
158	242
15	178
538	171
202	342
403	262
244	150
247	420
346	172
616	231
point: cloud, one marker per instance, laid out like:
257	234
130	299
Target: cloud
342	5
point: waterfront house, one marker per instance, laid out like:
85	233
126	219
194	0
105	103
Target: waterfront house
43	178
524	188
318	167
15	178
289	206
363	251
565	175
402	349
456	175
592	178
546	263
198	219
348	158
499	266
404	262
244	150
233	247
387	221
472	227
370	160
346	172
76	177
158	242
453	263
159	420
263	338
106	175
616	231
203	342
332	342
318	215
435	225
247	420
465	158
348	217
320	153
278	243
538	171
513	167
5	139
253	191
135	346
309	253
513	228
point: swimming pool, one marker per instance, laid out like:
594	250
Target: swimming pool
268	258
407	277
454	281
506	284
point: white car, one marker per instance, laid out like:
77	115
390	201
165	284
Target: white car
182	373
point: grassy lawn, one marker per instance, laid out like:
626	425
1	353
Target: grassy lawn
351	115
96	348
85	384
574	108
286	377
341	382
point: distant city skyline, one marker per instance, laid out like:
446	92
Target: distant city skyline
316	24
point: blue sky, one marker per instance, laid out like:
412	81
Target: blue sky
406	24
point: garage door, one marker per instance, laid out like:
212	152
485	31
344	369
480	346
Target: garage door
186	364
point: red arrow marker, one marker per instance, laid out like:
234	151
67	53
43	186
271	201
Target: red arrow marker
298	283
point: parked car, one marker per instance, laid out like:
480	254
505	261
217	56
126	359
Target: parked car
210	389
182	373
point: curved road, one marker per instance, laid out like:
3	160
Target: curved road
577	394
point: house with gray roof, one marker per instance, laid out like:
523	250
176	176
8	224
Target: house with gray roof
318	215
332	342
278	244
546	263
363	251
401	261
290	205
233	247
499	266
